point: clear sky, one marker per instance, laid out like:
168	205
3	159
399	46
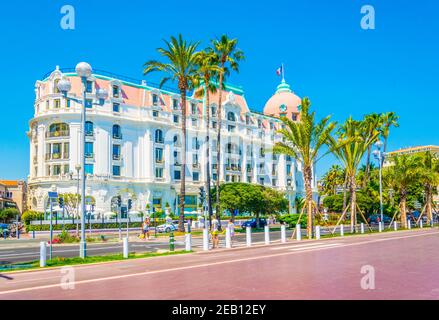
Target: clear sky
328	57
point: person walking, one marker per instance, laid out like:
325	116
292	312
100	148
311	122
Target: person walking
215	233
145	228
231	227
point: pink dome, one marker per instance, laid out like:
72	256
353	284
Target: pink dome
283	103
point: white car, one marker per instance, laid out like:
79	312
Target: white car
167	227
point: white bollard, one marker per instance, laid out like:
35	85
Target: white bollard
380	227
298	233
318	232
283	233
228	238
205	239
362	227
395	225
249	236
431	223
43	254
125	248
409	224
188	242
421	224
267	235
341	230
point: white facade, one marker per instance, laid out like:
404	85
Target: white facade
143	160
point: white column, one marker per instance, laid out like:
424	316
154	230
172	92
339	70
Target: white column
362	227
188	242
205	240
125	248
298	232
341	230
421	224
409	224
249	236
318	232
43	254
267	234
395	225
380	227
283	233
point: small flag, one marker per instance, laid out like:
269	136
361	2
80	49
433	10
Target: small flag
279	71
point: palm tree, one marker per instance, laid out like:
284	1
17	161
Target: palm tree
208	69
181	67
303	140
404	171
372	123
333	179
351	144
388	120
227	54
430	179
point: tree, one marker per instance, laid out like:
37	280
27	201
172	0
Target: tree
350	146
371	125
208	69
227	55
333	179
388	120
404	172
8	214
303	140
71	203
429	179
181	66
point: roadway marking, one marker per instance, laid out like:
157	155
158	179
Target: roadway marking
298	246
317	247
207	264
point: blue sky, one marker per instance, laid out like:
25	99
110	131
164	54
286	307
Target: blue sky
344	69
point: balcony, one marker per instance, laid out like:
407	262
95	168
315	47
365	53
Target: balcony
117	136
249	170
177	164
89	155
159	161
116	157
58	134
196	165
54	156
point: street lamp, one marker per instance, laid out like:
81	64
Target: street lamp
379	155
84	71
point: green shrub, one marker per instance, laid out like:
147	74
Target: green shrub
8	214
29	216
292	220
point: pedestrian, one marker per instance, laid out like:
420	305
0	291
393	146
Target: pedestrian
145	228
215	233
231	227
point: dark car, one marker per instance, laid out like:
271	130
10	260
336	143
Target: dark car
252	223
414	217
375	218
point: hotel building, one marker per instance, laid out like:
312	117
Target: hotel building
133	142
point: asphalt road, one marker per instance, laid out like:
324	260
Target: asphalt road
400	265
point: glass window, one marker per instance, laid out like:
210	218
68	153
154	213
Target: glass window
194	108
288	169
57	103
88	103
158	154
66	150
294	117
89	149
155	113
155	100
116	151
176	118
214	124
116	91
175	104
89	87
117	133
56	170
177	175
195	176
159	172
89	128
116	171
231	116
159	136
68	102
89	168
116	107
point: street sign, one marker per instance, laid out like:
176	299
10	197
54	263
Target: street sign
53	195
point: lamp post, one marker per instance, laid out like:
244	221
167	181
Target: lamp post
379	155
84	71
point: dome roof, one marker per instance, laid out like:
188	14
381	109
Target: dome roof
284	102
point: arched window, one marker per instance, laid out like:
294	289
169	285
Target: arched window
159	136
89	128
177	141
59	130
55	86
117	132
231	116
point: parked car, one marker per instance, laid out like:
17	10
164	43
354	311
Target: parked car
252	223
167	227
375	218
4	228
414	217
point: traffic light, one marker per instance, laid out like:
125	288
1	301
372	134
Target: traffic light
119	201
130	204
202	195
61	202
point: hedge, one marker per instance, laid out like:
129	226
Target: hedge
70	226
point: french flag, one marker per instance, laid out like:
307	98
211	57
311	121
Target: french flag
279	70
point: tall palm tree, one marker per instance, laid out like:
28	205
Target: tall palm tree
208	70
404	171
304	140
181	66
430	179
228	55
388	120
372	123
349	147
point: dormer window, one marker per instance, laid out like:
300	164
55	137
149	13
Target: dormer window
247	119
155	99
116	91
231	116
89	87
259	123
194	108
175	104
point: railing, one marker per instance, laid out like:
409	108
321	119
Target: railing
53	156
196	165
90	155
58	134
116	156
160	161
